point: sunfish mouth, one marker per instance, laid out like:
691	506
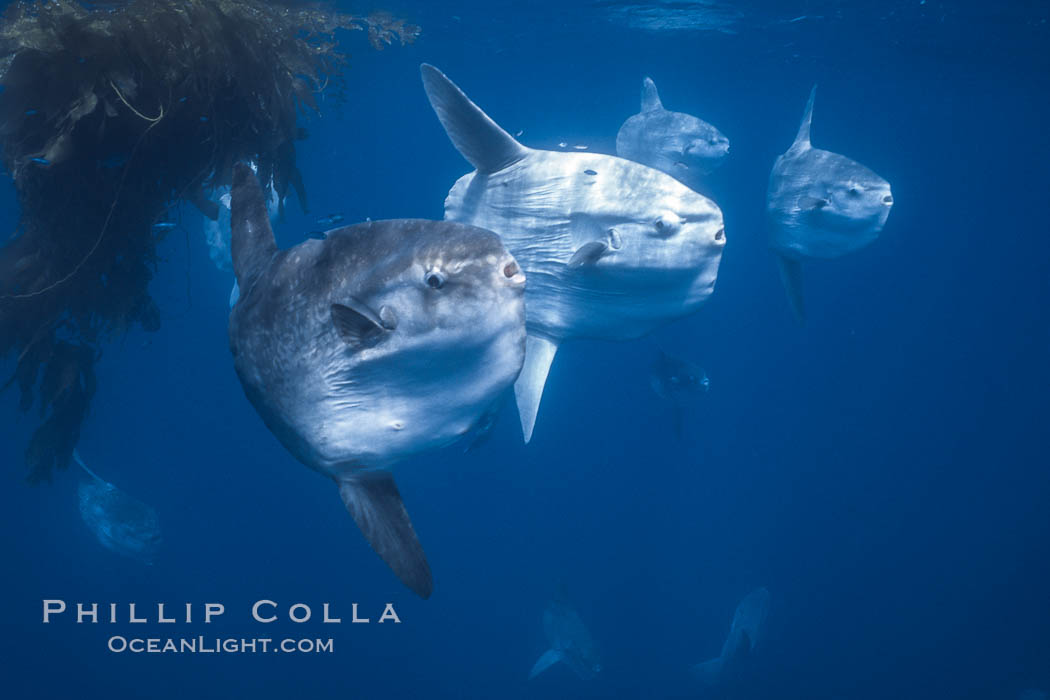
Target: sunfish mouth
512	272
888	200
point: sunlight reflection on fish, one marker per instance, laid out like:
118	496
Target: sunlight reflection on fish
121	523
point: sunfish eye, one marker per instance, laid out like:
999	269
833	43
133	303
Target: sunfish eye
434	279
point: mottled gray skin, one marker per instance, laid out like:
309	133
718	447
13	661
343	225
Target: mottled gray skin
383	340
341	409
745	634
679	144
820	205
570	642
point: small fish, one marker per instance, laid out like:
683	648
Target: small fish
330	219
30	112
164	225
40	161
520	132
318	235
590	172
580	147
81	59
204	119
182	99
563	145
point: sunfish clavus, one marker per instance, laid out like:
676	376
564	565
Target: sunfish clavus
612	248
820	205
373	343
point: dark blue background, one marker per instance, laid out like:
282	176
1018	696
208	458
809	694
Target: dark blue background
882	471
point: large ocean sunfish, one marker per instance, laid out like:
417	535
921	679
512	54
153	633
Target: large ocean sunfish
612	248
677	143
376	342
820	205
745	634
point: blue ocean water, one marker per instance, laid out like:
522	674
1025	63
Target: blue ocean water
881	471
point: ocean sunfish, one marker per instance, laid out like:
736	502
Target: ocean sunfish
678	144
381	341
820	205
570	642
677	381
121	523
745	634
612	248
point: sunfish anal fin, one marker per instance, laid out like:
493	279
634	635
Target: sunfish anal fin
481	141
802	141
528	390
375	504
358	325
588	254
549	658
791	275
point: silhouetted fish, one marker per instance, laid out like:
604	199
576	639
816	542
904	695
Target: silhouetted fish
121	523
570	642
675	381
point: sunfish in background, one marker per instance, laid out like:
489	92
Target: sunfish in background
121	523
612	248
820	205
383	340
745	634
677	381
570	642
678	144
1032	694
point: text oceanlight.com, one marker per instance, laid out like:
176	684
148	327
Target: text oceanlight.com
203	645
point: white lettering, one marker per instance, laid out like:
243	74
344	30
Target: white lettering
213	610
259	604
53	606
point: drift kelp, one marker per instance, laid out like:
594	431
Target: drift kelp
108	118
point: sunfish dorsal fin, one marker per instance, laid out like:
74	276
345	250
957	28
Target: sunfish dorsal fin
375	505
528	390
549	658
481	141
650	97
802	138
78	460
252	244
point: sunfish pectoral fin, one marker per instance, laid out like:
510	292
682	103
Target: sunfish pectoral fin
588	254
802	141
791	275
375	504
481	141
549	658
528	390
359	325
808	203
650	96
709	672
